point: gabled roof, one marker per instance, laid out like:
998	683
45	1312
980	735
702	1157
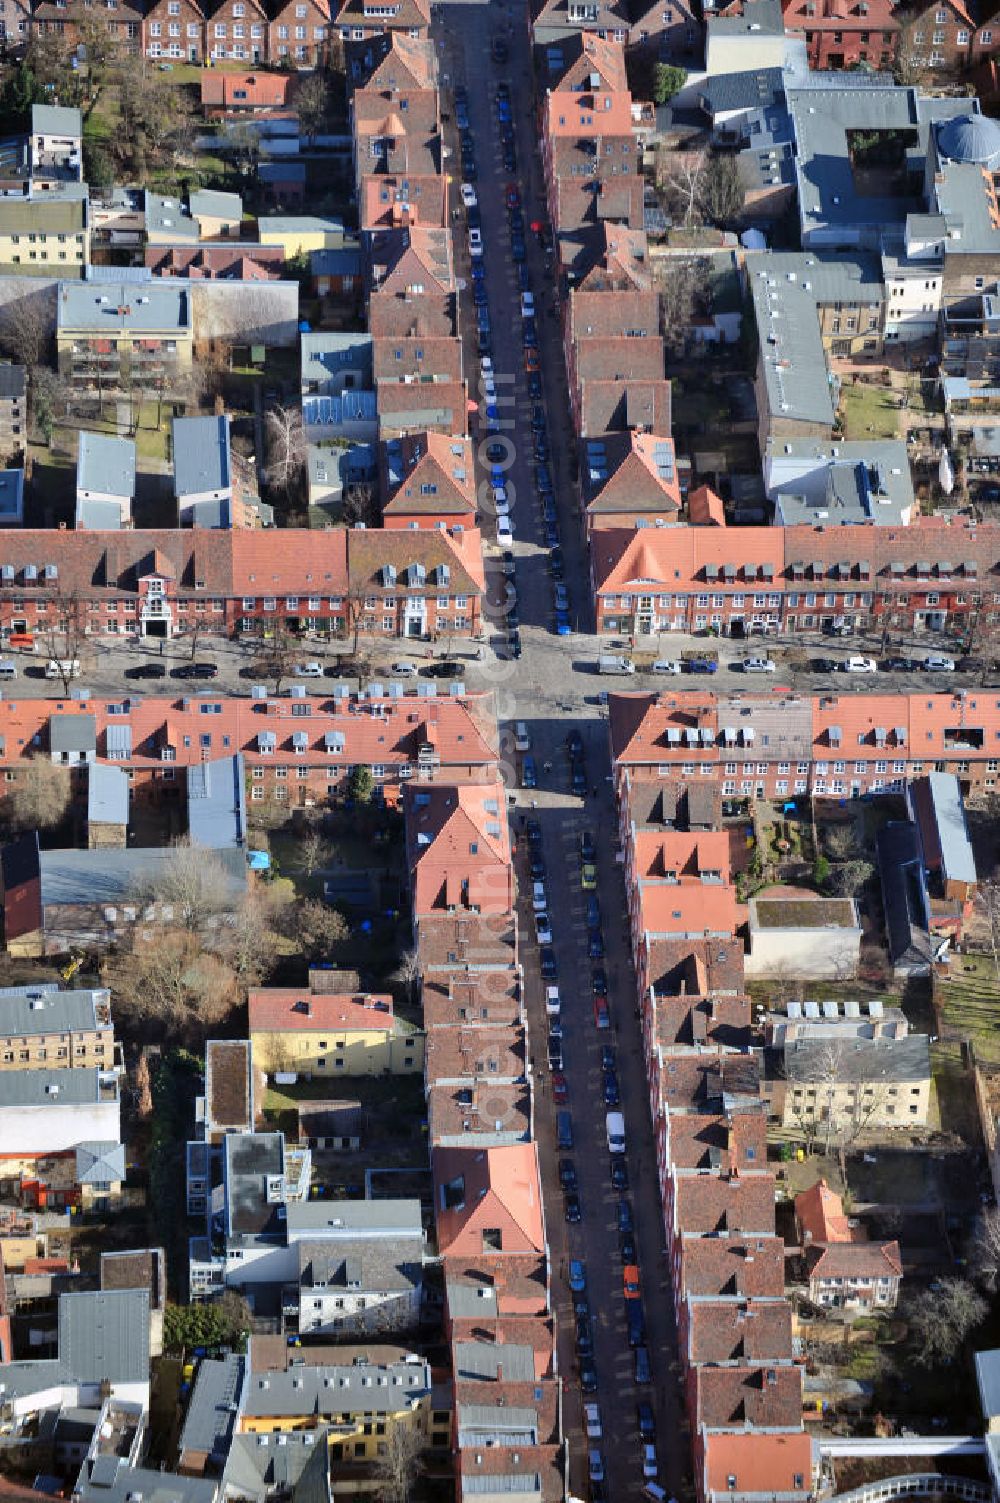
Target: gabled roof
819	1212
458	847
724	1330
733	1265
257	90
393	60
287	1009
635	402
429	474
707	1204
705	508
406	16
481	1191
386	197
458	551
750	1397
582	114
631	472
417	257
752	1463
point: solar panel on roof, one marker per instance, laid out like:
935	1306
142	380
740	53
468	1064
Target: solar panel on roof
852	1009
795	1009
811	1009
875	1009
831	1010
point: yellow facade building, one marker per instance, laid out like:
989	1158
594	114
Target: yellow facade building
324	1035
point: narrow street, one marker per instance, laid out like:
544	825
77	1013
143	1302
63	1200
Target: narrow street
553	700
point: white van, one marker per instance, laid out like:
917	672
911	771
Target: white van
62	668
614	1124
8	668
552	1001
505	533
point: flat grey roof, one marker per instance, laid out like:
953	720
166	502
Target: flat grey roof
109	307
107	464
99	516
216	205
201	455
109	1479
26	1010
952	831
31	1088
482	1359
56	120
353	1218
791	349
988	1378
210	1419
105	1334
379	1388
327	355
77	733
216	794
107	794
169	216
831	484
859	1060
111	876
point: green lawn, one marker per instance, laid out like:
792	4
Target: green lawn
869	412
969	1001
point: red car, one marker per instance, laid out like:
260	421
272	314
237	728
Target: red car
513	196
602	1017
560	1090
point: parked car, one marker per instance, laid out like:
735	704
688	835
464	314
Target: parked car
645	1419
560	1089
195	670
595	1466
599	981
588	876
649	1466
758	665
588	850
619	1172
577	1275
588	1377
643	1367
592	1421
547	963
610	1090
543	929
529	776
602	1017
469	197
403	669
522	741
899	665
858	665
147	670
567	1174
539	902
666	665
823	665
630	1281
584	1334
937	663
595	944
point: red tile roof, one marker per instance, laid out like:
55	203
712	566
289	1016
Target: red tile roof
751	1266
287	1009
725	1330
685	853
637	477
458	848
468	941
492	997
582	114
429	474
703	1140
707	1204
481	1191
584	55
819	1212
519	1283
245	91
758	1398
383	199
757	1464
705	508
469	1052
689	908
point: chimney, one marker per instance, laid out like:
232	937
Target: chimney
499	1372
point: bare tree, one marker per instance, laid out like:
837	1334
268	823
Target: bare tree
39	797
841	841
193	884
275	662
143	1088
248	941
941	1319
286	448
988	899
409	973
312	102
64	635
26	332
361	504
681	179
721	195
172	981
399	1457
984	1252
314	848
316	928
683	286
841	1093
